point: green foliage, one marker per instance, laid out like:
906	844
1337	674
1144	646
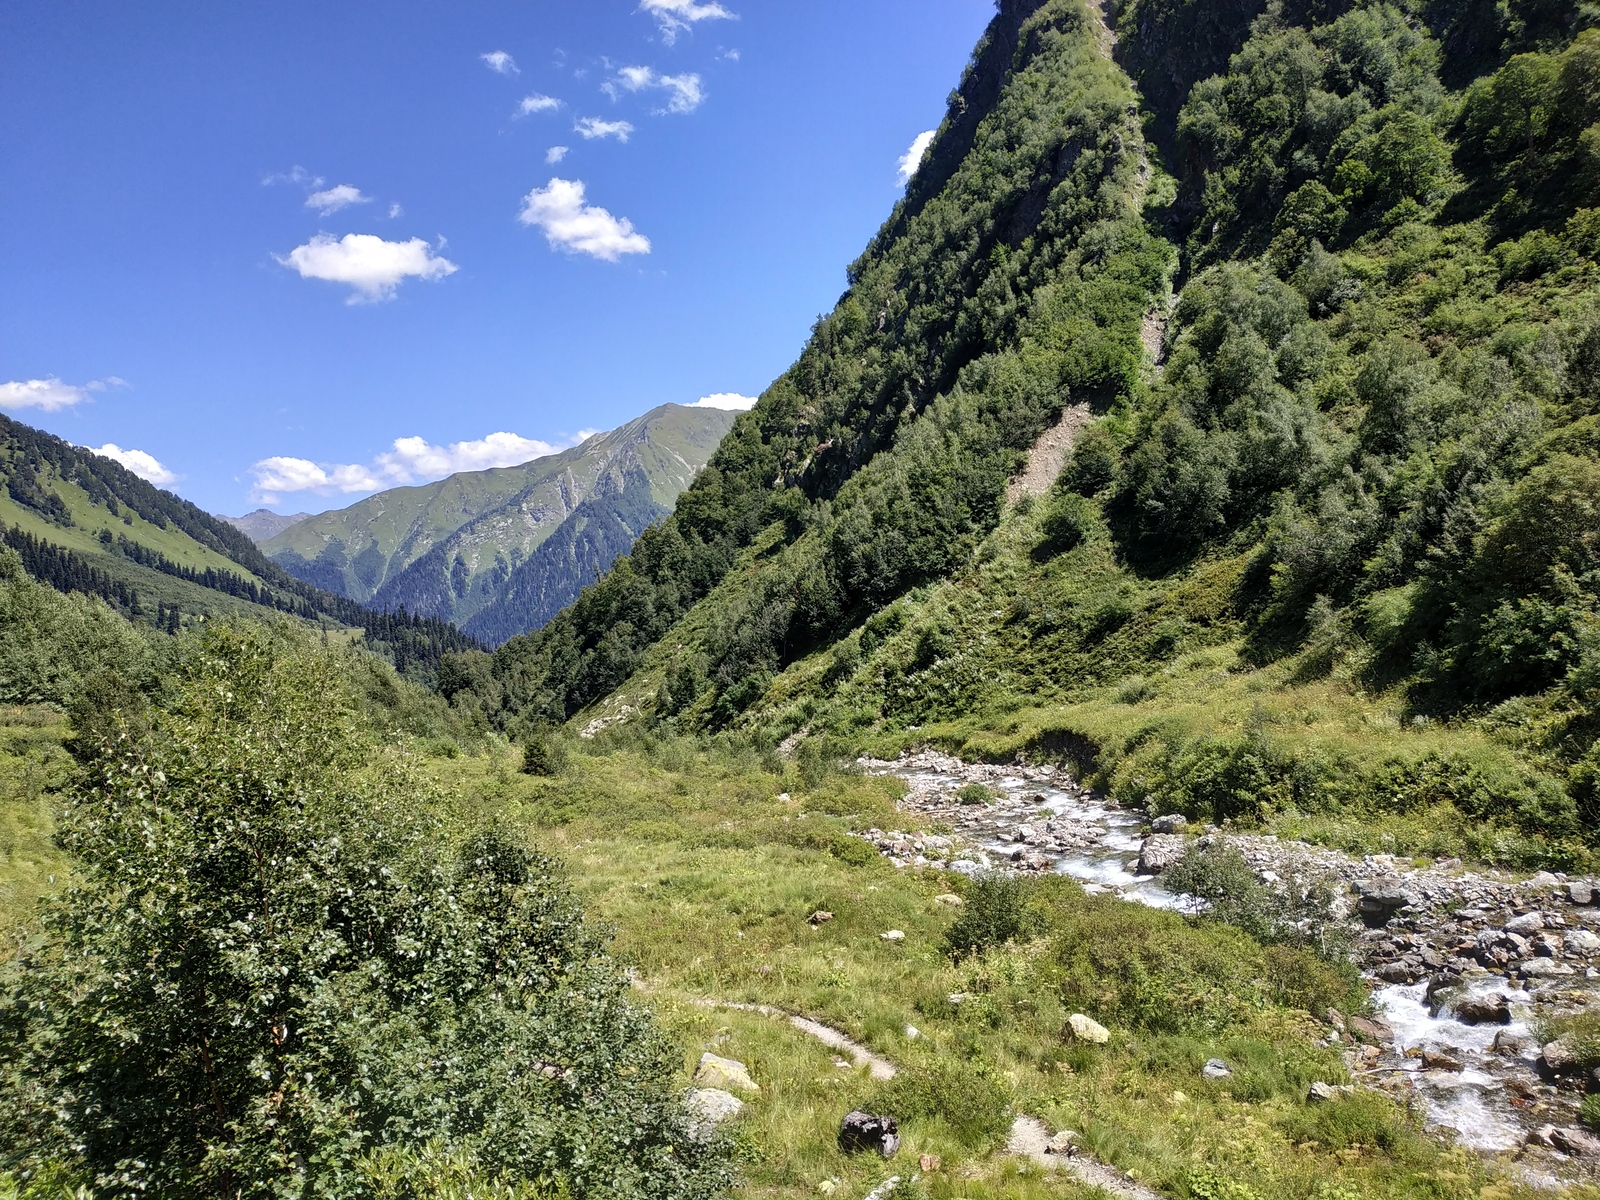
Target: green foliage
974	793
1589	1111
323	973
1298	913
1068	519
543	753
970	1099
998	909
1363	1118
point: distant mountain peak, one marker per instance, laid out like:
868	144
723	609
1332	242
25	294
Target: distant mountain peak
263	524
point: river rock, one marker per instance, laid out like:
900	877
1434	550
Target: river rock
1582	941
1525	925
727	1074
1373	1032
1170	823
862	1131
1323	1093
1558	1058
710	1107
1511	1044
1543	968
820	917
1484	1010
1064	1143
1381	898
1086	1029
1215	1068
1160	851
1575	1141
1580	893
1436	1061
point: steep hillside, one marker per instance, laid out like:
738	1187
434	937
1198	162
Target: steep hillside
1326	542
83	523
263	524
473	548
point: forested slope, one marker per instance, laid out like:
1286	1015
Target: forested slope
1328	543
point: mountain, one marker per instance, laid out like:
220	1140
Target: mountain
263	524
83	523
501	551
1219	409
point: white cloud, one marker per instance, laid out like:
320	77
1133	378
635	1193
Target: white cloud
674	16
534	102
295	174
394	211
687	93
140	462
370	265
578	228
911	160
729	400
500	62
409	460
335	198
594	127
48	395
555	154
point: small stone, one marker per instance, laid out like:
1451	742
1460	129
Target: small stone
1336	1019
928	1163
1484	1010
1576	1142
1086	1029
959	998
1215	1068
828	1187
1170	823
912	1033
1064	1143
1025	833
1525	925
1436	1061
1544	1136
861	1131
727	1074
1511	1044
1377	1033
1324	1093
820	917
950	899
893	935
710	1107
1543	968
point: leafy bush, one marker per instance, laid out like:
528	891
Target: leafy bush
543	753
1067	520
998	909
1297	913
974	1102
279	963
973	793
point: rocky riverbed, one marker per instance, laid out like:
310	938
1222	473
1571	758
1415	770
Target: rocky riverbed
1466	964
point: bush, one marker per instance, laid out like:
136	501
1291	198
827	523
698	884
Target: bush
1298	913
1589	1111
543	753
974	793
998	909
973	1101
1363	1118
273	963
1067	521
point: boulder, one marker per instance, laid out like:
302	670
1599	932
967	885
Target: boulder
1576	1142
728	1074
1323	1093
950	899
1215	1068
1582	941
928	1163
1170	823
1525	925
1436	1060
893	935
1558	1058
820	917
1580	893
1381	898
1160	851
1086	1029
710	1107
1484	1010
1543	968
862	1131
1064	1143
1373	1032
1511	1044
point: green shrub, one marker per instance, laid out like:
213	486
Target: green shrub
1068	519
543	753
974	793
1589	1111
974	1102
998	910
1297	913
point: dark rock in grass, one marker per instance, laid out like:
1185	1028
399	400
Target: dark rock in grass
1484	1010
860	1132
1215	1068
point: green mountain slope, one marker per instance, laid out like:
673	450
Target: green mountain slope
467	548
1328	541
84	523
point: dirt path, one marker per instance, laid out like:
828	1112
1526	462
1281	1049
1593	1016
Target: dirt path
1048	455
1030	1136
835	1039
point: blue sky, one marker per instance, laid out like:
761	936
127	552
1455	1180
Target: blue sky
292	252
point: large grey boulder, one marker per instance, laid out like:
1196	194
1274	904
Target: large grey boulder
1484	1010
1159	852
710	1107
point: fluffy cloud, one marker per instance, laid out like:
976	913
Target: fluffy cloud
729	400
674	16
594	127
555	154
45	394
410	460
140	462
911	160
335	198
535	102
370	265
500	62
686	92
296	174
578	228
